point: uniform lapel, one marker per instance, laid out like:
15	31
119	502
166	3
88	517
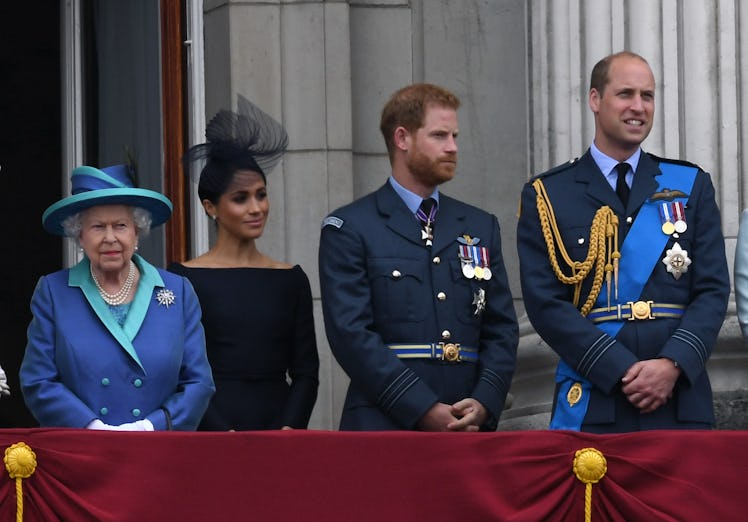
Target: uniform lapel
645	183
400	220
450	224
597	186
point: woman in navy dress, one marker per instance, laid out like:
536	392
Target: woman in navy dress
257	311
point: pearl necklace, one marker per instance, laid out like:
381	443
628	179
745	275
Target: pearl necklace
121	296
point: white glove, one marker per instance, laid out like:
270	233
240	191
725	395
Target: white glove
96	424
141	425
4	388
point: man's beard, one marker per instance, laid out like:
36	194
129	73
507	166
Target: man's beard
432	172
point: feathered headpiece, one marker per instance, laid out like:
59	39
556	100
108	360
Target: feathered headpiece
246	139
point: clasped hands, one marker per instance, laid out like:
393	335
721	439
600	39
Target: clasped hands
465	415
649	384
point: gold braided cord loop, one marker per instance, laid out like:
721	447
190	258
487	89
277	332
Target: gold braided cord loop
602	253
589	467
20	461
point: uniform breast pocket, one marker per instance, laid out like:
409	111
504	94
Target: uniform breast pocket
577	243
398	292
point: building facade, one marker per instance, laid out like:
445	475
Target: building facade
325	68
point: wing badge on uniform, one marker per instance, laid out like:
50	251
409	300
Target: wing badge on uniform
668	195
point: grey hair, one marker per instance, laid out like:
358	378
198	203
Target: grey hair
141	217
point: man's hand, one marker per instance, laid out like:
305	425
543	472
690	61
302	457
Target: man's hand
471	414
649	384
437	418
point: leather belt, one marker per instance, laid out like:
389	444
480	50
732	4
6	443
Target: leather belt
636	311
451	352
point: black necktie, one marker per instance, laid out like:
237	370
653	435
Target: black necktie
622	188
426	214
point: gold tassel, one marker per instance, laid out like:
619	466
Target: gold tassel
589	467
20	461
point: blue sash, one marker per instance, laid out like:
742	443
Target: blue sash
640	253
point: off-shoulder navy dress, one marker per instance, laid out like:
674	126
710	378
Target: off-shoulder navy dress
259	330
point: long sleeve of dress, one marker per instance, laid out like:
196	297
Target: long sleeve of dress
304	367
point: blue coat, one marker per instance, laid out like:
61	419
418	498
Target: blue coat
576	191
81	365
381	285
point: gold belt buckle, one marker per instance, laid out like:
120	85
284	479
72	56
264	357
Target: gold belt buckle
450	352
640	310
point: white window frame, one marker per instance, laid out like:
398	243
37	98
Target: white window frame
73	108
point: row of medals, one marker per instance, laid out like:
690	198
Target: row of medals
667	212
473	271
670	228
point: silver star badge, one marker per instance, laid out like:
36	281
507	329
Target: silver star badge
165	297
479	300
677	261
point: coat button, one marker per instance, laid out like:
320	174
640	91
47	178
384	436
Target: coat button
105	381
137	383
441	296
136	412
580	241
104	410
396	274
436	260
629	220
446	334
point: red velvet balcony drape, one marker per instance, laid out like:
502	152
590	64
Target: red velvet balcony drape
331	476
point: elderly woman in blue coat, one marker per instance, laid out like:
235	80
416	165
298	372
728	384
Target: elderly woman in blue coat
114	343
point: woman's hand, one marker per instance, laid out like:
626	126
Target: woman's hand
4	388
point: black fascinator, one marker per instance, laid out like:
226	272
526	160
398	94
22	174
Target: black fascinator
246	139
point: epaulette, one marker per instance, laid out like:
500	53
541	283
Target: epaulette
685	163
555	170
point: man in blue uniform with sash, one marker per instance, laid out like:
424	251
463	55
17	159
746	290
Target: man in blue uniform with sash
415	296
623	270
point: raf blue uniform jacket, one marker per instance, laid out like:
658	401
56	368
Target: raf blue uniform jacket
382	285
576	191
80	364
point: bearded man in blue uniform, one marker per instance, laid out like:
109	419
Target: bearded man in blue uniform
623	270
417	306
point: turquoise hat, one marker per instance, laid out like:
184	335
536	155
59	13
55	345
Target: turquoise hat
106	186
